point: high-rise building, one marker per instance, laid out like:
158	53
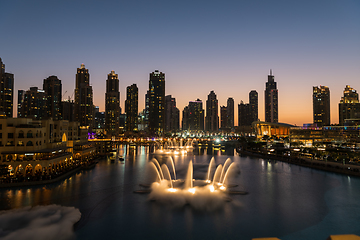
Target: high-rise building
349	106
156	96
6	91
53	88
131	108
223	117
193	116
21	95
244	114
172	115
230	113
67	110
112	104
253	101
212	116
321	105
35	104
84	108
271	100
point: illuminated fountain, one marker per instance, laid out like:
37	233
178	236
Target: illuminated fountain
203	194
173	147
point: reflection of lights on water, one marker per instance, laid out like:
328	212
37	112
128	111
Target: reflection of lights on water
223	188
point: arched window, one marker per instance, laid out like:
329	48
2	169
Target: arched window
29	143
20	143
29	134
21	134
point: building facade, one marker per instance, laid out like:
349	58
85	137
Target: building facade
253	101
112	104
156	96
131	108
212	116
53	88
6	91
172	115
321	106
34	105
83	108
349	106
230	113
271	100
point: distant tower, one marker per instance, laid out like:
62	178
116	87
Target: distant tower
21	95
212	116
35	104
253	101
230	113
223	117
156	96
271	100
349	106
6	91
84	107
244	114
53	88
172	114
131	108
321	105
112	104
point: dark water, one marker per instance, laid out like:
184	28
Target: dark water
284	201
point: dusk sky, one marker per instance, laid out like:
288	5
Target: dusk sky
225	46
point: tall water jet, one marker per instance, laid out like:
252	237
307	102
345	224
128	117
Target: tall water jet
212	162
225	167
232	165
173	167
217	174
189	176
166	172
158	167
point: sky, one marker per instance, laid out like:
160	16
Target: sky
225	46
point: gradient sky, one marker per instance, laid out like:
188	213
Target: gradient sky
225	46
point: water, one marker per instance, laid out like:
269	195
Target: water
284	201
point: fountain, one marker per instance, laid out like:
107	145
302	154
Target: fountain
173	147
202	194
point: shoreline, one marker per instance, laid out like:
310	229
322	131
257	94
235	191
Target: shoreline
335	167
49	181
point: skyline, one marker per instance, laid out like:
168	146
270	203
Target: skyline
225	47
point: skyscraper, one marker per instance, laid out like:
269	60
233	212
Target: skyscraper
6	91
131	108
223	117
21	95
172	115
53	88
349	106
193	116
244	114
253	101
84	108
321	105
156	96
35	104
271	100
112	104
230	113
212	117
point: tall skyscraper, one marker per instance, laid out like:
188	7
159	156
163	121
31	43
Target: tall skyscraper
230	113
349	106
223	117
193	116
244	114
21	95
321	105
131	108
67	110
271	100
53	88
84	107
6	91
35	104
253	101
112	104
212	116
172	115
156	102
